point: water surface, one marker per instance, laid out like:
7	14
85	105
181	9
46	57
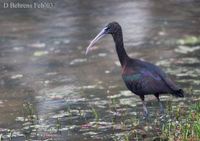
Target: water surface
43	62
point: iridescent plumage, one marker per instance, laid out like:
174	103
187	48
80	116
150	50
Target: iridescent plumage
140	77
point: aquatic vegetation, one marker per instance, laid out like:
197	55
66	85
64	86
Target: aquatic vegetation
183	125
1	137
58	124
117	122
186	49
40	53
96	115
29	112
78	61
17	76
68	111
10	134
189	40
37	45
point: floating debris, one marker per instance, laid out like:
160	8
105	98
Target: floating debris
40	53
124	93
102	54
115	113
189	40
185	72
186	49
1	103
64	129
99	125
20	119
86	126
78	61
17	76
18	48
63	41
51	73
61	115
165	63
90	133
191	81
99	103
66	41
188	60
37	45
57	94
128	101
92	87
161	33
117	63
46	82
107	71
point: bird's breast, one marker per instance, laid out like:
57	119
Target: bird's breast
131	77
127	70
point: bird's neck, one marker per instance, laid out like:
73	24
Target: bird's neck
119	44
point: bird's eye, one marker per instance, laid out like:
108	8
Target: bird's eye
107	28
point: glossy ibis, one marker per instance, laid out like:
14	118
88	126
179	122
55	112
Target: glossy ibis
141	78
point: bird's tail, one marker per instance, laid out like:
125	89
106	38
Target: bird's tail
178	93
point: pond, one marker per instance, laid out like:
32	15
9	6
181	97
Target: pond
49	88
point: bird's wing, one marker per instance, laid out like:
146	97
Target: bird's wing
166	79
146	78
145	82
169	85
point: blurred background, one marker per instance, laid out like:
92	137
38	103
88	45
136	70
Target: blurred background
47	83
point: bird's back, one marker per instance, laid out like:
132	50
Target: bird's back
144	78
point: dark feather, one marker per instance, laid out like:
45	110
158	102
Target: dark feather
140	77
144	78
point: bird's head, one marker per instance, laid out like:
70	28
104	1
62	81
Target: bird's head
111	28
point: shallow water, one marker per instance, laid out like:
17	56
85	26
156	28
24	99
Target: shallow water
43	62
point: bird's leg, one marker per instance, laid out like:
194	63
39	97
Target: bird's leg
161	106
144	106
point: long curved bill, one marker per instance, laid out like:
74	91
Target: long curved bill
99	36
